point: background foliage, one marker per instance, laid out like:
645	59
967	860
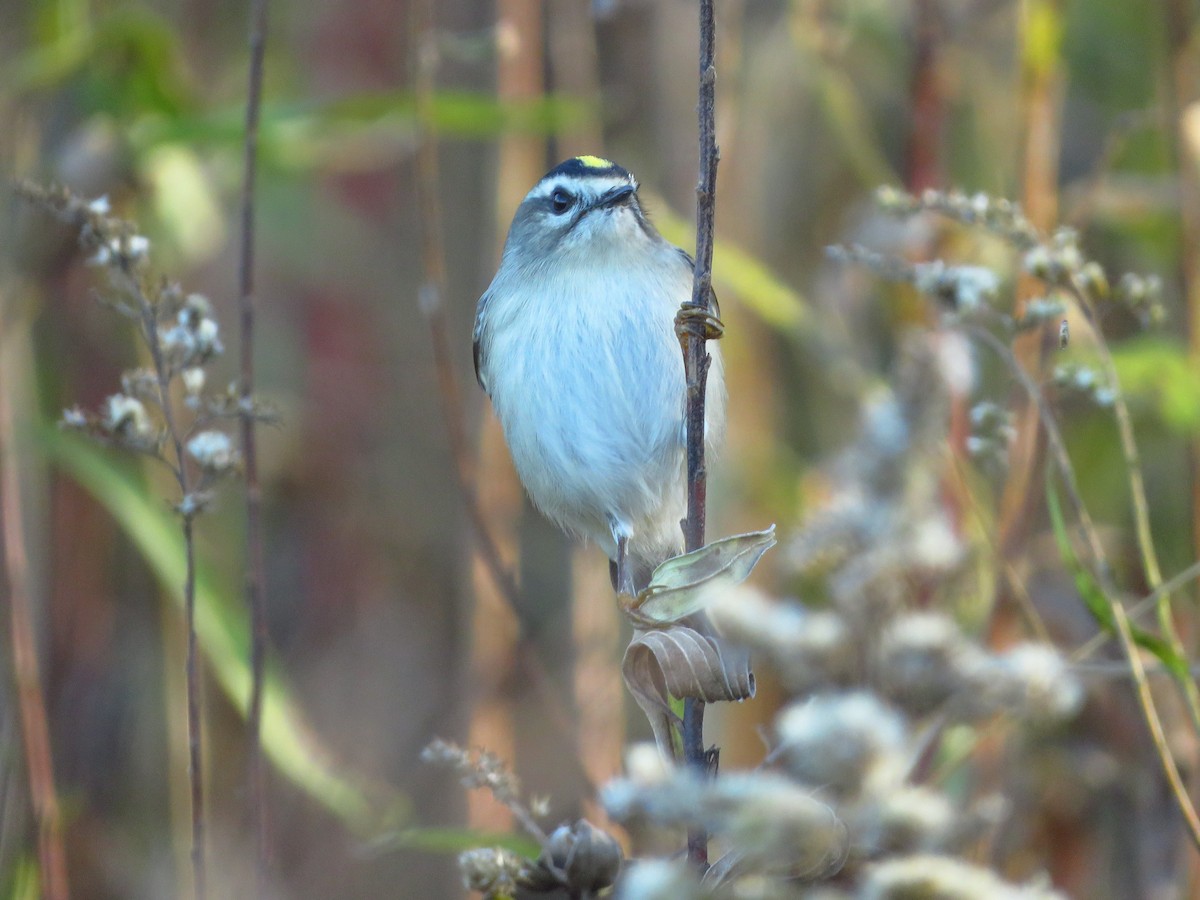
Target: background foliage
385	629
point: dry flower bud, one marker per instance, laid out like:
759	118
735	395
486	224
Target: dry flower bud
944	878
193	380
840	740
658	879
589	858
141	383
213	451
126	418
644	765
805	648
73	418
780	828
493	871
1039	685
908	820
919	661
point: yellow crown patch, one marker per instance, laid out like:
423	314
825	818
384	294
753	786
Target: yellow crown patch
595	162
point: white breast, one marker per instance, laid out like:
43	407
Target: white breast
586	378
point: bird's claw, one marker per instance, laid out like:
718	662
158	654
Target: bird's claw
714	328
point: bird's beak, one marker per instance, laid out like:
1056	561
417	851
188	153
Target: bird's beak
614	197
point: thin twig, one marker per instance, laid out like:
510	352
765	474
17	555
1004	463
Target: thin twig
256	570
1020	593
1137	491
187	512
1102	573
693	333
31	703
1179	91
1171	585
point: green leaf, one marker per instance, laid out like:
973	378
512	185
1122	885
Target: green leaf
1162	373
1093	595
682	585
222	634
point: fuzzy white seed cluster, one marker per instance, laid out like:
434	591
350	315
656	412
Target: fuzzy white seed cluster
213	451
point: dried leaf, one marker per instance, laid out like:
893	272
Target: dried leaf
683	585
682	662
724	870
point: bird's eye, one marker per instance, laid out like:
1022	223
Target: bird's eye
560	200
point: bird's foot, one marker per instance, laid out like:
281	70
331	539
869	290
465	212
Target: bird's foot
689	316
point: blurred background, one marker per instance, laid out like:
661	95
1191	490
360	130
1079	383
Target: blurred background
386	627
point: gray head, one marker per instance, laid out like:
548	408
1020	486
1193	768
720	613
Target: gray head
585	204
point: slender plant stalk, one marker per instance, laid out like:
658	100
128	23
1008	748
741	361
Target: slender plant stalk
696	362
31	704
1179	93
1141	508
1041	104
1180	90
1172	584
1102	572
187	512
256	570
925	98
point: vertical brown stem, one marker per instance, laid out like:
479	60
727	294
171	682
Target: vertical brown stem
1180	95
696	361
255	572
1041	101
35	732
924	142
1181	91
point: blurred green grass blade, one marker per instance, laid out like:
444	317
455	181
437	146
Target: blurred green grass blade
453	840
221	632
737	272
850	122
1160	372
1093	595
297	135
24	880
127	63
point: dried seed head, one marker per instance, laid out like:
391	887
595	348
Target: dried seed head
907	820
589	858
213	451
806	649
126	420
658	879
944	878
1037	685
839	741
919	661
493	871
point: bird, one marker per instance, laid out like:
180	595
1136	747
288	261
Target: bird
575	344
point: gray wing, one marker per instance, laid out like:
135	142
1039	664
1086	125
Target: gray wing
477	348
712	294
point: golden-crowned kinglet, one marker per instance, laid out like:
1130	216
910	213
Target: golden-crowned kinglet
575	344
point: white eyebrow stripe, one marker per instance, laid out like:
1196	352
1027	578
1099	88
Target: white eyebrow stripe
592	185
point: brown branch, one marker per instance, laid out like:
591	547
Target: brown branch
692	336
39	762
256	570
